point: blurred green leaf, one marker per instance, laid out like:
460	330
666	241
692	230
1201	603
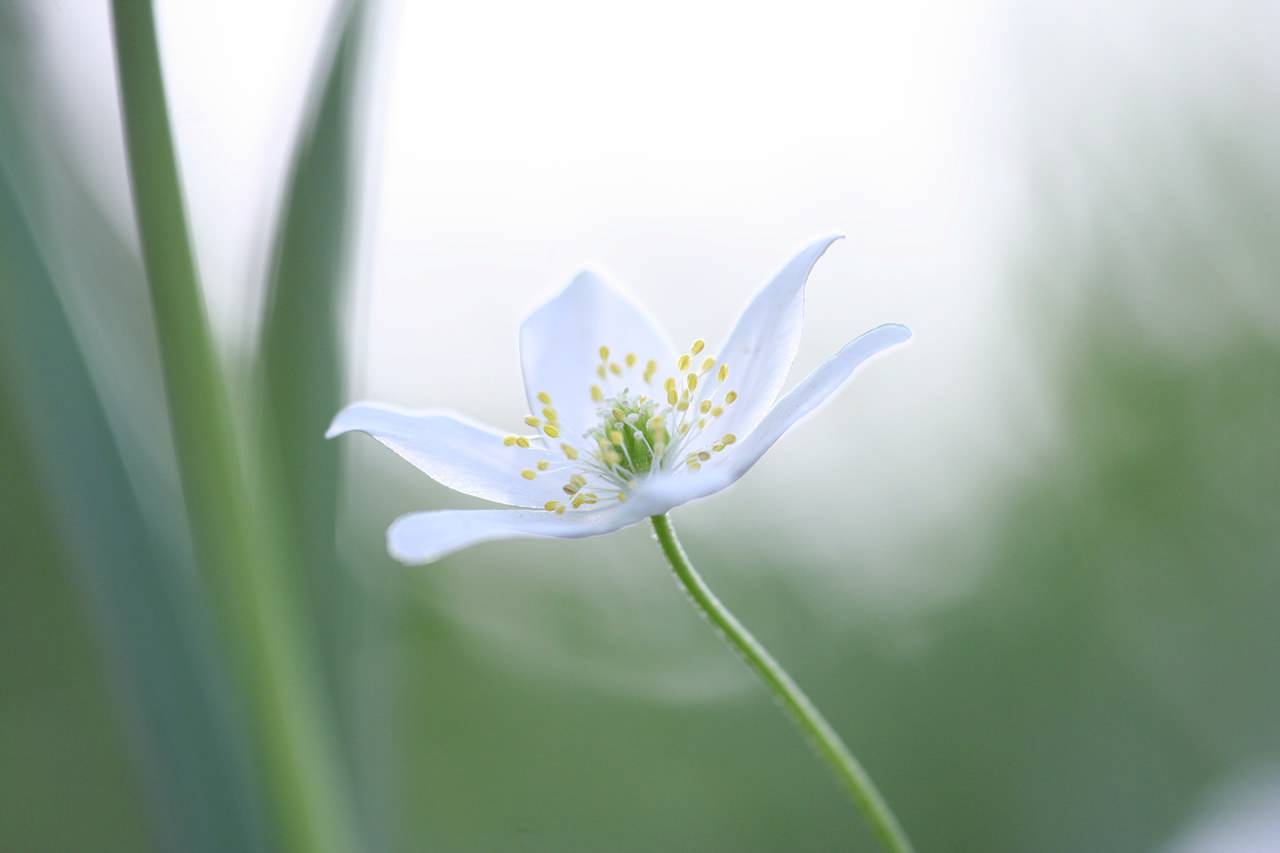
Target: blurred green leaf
154	630
230	497
300	363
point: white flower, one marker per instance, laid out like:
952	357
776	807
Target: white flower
622	426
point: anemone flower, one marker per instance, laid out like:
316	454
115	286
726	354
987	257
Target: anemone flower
621	426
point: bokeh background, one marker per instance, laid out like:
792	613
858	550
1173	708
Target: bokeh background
1029	567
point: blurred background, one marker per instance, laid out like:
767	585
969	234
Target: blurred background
1029	567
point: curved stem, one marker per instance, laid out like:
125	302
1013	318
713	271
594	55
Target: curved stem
846	768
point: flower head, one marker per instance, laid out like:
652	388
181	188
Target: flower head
621	426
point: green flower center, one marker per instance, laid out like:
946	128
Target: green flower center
661	427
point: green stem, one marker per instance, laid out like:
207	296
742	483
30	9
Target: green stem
846	768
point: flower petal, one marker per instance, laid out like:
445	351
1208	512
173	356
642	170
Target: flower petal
455	451
560	349
764	340
815	390
424	537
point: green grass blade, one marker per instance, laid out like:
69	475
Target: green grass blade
299	353
235	527
151	623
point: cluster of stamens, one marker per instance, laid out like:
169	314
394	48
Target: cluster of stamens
637	433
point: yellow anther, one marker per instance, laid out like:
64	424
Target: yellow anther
729	438
611	457
724	372
569	451
695	466
578	500
601	372
615	368
543	464
692	379
704	406
532	421
544	398
717	411
683	363
551	430
702	423
730	397
560	510
632	358
670	384
682	406
704	455
622	496
528	474
708	364
698	346
569	490
615	435
618	414
577	481
717	447
684	428
597	395
671	396
550	414
604	353
650	369
522	441
552	506
510	440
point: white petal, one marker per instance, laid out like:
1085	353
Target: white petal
456	452
763	342
560	349
815	390
425	537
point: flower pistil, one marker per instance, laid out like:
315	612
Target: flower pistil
644	428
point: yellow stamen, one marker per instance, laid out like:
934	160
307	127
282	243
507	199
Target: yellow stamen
724	372
622	496
708	364
683	363
615	368
569	451
697	346
604	353
522	441
730	397
544	398
692	379
615	435
597	395
550	414
632	358
528	474
543	464
552	506
551	431
510	440
704	406
532	421
730	438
